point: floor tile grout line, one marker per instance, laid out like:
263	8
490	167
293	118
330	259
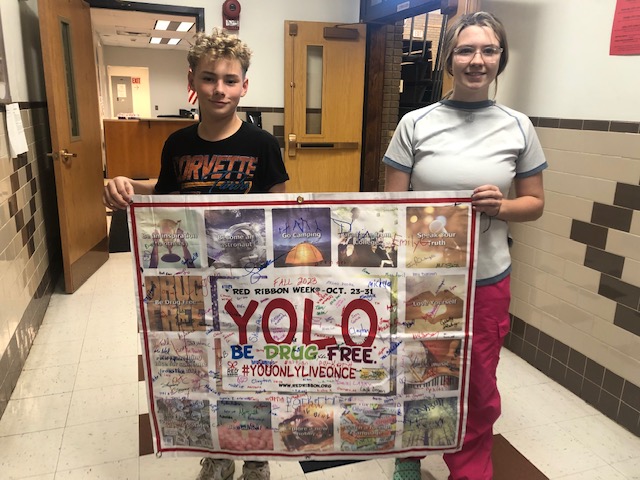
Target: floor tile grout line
73	390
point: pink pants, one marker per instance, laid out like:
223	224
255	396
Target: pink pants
490	326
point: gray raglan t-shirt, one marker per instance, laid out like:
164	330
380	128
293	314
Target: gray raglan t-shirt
453	145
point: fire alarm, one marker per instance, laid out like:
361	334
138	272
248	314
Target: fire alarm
231	14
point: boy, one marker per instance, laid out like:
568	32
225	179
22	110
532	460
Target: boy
221	154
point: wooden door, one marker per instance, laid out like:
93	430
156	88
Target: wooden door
72	100
323	105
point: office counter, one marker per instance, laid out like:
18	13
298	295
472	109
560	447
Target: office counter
133	147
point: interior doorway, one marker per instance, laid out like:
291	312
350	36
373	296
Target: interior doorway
129	95
121	26
411	67
421	64
115	23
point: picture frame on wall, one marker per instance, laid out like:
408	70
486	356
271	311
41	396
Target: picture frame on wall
5	97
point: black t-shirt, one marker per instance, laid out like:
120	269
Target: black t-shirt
249	161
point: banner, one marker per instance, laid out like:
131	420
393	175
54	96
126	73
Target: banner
316	326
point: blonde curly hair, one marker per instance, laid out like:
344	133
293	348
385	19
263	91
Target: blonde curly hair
218	45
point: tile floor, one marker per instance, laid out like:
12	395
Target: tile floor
74	413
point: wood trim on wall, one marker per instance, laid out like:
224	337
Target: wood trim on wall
374	90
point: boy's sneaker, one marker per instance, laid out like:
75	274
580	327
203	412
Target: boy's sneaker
216	469
407	470
255	471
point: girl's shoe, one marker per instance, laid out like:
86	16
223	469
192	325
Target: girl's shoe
408	469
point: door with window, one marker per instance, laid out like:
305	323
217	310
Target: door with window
74	122
323	106
122	95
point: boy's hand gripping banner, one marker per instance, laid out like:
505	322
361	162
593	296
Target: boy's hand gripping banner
321	326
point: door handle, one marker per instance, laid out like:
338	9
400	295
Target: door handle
63	154
294	145
328	145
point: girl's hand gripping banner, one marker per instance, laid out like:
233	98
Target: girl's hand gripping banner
315	326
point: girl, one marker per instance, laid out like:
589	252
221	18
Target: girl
469	142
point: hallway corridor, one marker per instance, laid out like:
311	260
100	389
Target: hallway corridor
76	411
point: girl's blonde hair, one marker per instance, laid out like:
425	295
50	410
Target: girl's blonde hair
218	45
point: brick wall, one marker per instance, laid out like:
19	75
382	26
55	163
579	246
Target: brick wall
29	244
391	94
576	275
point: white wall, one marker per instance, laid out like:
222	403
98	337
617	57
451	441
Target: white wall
559	63
262	28
167	75
20	30
559	67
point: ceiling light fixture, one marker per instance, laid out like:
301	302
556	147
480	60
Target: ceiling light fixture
155	40
174	41
185	26
161	25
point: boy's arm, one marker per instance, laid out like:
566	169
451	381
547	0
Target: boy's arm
118	191
278	188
